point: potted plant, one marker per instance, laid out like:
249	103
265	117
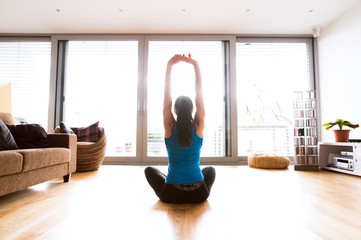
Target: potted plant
341	135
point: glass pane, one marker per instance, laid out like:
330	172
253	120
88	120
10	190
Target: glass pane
26	65
209	55
101	85
267	76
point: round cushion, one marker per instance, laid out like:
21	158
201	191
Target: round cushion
270	161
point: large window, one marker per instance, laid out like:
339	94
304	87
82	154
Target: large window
248	87
267	75
26	65
210	57
101	79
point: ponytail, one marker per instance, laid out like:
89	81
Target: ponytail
185	123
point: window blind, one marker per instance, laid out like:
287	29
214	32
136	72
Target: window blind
26	65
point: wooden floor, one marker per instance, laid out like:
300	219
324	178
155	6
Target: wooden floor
117	203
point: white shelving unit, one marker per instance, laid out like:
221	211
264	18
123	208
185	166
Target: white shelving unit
328	150
305	130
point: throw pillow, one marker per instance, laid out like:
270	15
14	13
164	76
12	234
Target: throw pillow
64	129
7	141
28	135
88	134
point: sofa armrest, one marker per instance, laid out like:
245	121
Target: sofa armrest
67	141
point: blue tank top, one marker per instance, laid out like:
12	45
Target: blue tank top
183	163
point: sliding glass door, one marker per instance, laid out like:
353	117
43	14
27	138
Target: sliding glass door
210	56
101	82
101	79
119	81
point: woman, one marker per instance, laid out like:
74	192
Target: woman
185	182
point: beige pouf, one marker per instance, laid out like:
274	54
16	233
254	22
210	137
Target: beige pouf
269	161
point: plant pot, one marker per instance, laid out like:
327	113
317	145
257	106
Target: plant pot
341	135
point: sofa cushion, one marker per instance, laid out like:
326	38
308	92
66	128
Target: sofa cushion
43	157
7	141
28	135
11	162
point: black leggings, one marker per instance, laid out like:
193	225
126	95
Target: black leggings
171	194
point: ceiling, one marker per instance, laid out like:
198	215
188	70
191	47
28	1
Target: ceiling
170	16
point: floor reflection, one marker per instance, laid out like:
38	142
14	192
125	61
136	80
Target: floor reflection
184	217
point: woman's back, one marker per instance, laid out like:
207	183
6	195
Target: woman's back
185	181
183	161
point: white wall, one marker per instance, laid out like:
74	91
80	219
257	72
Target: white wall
339	52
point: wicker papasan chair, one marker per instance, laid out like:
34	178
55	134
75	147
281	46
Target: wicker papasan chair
90	155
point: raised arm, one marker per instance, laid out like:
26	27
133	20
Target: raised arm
168	119
200	114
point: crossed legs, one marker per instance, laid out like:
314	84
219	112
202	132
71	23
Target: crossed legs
169	193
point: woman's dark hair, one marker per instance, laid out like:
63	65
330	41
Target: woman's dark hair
184	107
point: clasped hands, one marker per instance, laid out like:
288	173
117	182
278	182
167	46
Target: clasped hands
181	57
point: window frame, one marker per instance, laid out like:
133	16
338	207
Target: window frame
231	124
311	55
57	86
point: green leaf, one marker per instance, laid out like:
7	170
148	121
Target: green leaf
340	122
352	125
329	125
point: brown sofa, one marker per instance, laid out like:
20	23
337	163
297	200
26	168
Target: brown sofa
23	168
